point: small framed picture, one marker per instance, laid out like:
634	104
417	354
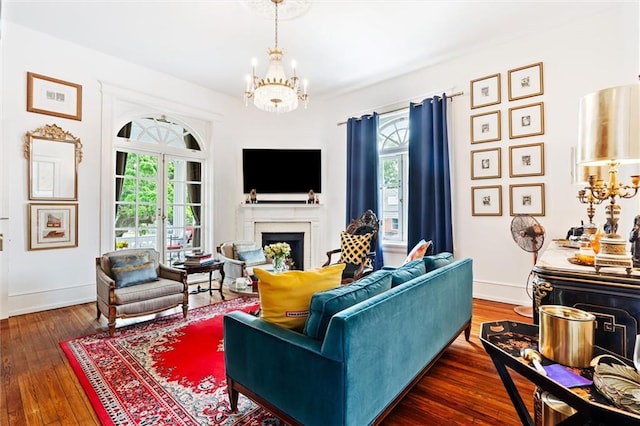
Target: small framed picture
485	91
526	160
50	96
486	200
53	226
527	199
485	163
526	81
526	120
485	127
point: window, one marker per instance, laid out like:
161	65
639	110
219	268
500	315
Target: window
393	149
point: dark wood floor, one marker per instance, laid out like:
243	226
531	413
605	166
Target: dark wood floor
38	387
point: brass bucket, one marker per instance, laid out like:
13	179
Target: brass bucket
567	335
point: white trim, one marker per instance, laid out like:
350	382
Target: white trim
121	105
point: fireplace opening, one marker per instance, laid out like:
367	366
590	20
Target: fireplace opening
295	241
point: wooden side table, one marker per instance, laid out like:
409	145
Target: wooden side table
503	341
210	268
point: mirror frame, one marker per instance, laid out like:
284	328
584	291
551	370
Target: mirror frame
54	134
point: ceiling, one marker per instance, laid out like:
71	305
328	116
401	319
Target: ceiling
339	45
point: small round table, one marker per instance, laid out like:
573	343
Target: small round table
245	293
208	267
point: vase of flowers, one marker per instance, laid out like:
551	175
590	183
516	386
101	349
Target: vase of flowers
278	252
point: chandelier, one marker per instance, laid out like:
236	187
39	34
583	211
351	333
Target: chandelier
275	92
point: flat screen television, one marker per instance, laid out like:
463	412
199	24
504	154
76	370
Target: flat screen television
281	171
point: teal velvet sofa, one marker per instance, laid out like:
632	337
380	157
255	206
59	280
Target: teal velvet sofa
373	352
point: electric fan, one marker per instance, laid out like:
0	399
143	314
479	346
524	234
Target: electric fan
528	234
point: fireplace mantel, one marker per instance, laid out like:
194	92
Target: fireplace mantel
276	217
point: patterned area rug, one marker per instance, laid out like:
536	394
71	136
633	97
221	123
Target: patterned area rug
168	371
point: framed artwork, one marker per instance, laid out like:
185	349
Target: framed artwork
525	82
486	200
50	96
526	160
485	91
527	198
53	226
486	164
485	127
526	120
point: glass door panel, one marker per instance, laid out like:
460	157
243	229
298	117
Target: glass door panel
183	208
136	203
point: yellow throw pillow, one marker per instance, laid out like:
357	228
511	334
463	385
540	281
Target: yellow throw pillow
285	296
353	247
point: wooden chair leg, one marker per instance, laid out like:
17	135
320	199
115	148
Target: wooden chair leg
98	311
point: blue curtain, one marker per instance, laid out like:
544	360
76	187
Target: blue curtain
362	171
429	176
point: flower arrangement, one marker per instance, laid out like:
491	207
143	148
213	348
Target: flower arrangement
122	244
277	250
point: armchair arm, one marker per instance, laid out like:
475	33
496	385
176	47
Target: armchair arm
105	285
172	273
329	254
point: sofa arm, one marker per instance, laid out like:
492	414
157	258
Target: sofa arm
283	367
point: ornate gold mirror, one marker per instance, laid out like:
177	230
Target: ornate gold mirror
53	155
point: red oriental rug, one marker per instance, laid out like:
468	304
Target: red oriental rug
168	371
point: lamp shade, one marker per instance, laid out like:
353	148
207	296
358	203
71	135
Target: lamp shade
609	126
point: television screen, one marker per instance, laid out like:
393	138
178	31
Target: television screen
281	171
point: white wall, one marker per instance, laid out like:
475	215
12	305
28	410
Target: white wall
577	60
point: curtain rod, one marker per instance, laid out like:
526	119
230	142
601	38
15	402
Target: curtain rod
453	95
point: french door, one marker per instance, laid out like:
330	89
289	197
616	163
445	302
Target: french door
158	203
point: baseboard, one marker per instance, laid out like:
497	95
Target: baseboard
26	303
501	292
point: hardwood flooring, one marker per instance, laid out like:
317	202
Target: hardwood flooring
38	386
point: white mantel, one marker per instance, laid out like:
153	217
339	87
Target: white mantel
275	217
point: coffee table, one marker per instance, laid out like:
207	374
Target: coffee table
245	293
210	268
503	340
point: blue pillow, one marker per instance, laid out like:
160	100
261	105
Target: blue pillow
325	304
131	269
252	257
436	261
407	272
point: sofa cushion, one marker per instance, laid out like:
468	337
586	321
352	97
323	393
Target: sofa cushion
418	251
325	304
437	261
252	257
353	247
285	296
407	272
132	269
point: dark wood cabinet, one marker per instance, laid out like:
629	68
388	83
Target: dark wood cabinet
611	295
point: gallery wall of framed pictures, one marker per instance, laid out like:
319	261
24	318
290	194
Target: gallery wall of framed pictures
53	155
524	115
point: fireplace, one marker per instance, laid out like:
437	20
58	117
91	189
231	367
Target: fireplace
286	218
295	241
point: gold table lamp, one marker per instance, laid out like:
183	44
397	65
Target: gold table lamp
609	133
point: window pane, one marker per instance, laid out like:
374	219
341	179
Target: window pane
393	139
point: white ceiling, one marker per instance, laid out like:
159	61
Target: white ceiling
339	45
